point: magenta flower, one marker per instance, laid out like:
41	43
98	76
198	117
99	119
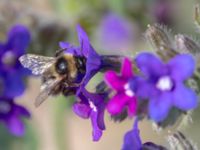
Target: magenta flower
124	96
163	84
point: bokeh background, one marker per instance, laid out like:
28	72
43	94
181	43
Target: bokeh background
114	27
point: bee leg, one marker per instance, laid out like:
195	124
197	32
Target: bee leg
68	92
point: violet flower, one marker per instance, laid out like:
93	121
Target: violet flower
93	60
11	72
163	11
132	141
115	32
124	96
92	106
163	84
11	115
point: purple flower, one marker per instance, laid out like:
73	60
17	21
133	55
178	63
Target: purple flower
115	32
11	115
93	60
92	106
163	11
124	96
163	84
11	72
132	141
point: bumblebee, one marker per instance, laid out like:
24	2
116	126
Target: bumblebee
60	74
64	72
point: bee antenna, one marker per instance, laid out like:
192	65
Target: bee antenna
60	51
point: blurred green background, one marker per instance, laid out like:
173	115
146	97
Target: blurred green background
54	126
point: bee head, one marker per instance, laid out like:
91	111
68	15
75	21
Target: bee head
61	66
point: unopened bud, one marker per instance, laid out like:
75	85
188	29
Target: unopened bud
179	141
187	44
157	36
197	16
160	39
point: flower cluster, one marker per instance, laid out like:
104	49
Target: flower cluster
153	90
158	84
12	76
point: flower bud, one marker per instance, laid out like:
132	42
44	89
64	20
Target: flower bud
197	16
160	39
187	44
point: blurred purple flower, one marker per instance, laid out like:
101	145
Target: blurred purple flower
132	141
11	72
11	115
124	95
164	85
163	11
92	106
115	33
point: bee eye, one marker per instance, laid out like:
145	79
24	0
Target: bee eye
61	66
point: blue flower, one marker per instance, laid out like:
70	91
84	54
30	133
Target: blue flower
11	72
11	115
163	84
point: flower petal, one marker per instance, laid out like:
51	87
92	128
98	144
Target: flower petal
65	45
159	106
132	139
70	48
126	69
117	103
93	65
18	39
14	85
182	66
149	64
100	116
83	40
98	102
19	110
132	106
112	80
15	125
97	133
184	98
139	85
82	110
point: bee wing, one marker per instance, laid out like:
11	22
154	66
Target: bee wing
37	64
46	90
